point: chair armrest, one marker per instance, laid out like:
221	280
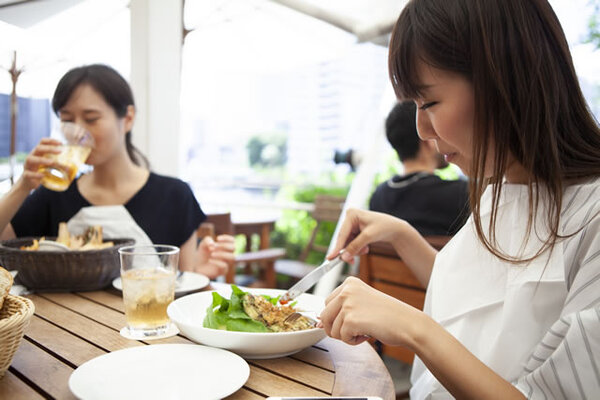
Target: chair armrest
261	255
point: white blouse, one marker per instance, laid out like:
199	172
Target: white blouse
536	325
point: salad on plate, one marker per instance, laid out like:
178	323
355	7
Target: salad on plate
247	312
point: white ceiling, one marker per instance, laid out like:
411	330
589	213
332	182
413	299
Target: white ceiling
26	13
366	20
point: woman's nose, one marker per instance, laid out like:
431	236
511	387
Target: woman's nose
424	127
79	121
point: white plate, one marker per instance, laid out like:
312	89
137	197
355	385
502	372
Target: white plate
188	314
160	371
188	282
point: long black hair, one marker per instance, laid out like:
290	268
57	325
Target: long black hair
111	86
528	102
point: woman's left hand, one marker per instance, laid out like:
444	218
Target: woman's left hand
355	311
215	257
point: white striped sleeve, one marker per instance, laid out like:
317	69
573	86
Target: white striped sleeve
566	363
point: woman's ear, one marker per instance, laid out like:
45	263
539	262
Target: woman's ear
429	145
129	118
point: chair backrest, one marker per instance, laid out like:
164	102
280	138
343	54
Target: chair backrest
221	224
216	224
327	208
382	269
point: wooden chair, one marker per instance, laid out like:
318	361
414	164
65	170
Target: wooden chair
382	269
327	208
220	224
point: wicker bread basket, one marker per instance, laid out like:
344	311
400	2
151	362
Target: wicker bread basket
6	281
14	317
62	271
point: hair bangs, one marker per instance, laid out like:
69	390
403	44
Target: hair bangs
403	57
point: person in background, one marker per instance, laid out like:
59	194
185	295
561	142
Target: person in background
513	300
431	205
120	194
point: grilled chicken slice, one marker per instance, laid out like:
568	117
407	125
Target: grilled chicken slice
260	309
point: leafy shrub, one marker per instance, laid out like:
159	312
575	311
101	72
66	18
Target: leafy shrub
293	229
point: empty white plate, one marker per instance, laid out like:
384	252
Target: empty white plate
188	282
161	371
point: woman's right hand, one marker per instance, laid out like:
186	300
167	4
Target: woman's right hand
31	178
360	228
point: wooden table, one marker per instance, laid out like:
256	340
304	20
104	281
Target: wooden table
69	329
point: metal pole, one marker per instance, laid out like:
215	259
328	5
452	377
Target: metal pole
14	74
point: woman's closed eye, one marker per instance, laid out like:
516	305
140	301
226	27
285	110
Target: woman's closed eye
428	105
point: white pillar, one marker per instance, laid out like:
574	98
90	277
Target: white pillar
156	42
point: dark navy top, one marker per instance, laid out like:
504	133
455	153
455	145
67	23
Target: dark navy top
431	205
165	208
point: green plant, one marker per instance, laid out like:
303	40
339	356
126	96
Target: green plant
294	228
593	34
267	150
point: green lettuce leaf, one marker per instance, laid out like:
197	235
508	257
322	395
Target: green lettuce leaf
272	300
229	314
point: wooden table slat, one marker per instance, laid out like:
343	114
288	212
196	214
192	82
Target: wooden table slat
315	356
301	371
269	384
101	335
71	348
47	372
110	299
170	340
13	388
375	378
105	315
244	394
97	312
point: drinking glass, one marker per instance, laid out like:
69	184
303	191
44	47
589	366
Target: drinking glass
78	144
148	278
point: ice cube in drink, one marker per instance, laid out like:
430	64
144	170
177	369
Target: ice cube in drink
147	294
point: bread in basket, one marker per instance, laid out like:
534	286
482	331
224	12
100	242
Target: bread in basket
60	271
6	281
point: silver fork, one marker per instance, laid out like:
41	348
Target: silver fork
295	315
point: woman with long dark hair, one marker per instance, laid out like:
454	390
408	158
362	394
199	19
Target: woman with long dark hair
513	300
120	194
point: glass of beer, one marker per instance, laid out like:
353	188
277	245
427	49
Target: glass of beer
148	278
78	144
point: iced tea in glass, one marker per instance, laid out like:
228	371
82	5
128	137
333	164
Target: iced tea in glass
78	144
148	279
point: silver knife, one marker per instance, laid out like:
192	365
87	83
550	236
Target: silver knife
311	278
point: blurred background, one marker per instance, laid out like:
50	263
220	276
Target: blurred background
276	101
